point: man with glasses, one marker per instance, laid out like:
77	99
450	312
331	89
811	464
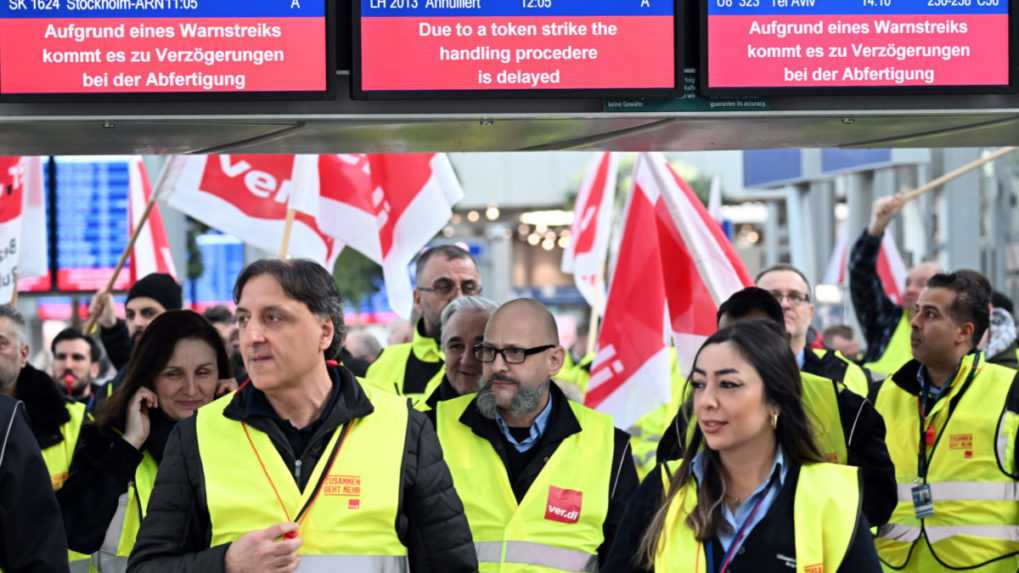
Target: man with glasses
534	470
443	274
791	289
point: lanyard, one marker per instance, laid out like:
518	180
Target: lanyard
740	532
928	436
303	513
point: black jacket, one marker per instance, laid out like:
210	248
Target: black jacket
103	466
562	424
444	392
45	405
117	343
768	549
31	532
176	533
864	430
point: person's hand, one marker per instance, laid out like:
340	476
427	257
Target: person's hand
265	551
225	386
885	209
102	308
137	430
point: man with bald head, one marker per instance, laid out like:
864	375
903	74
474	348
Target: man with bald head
533	469
885	324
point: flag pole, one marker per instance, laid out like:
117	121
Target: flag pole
14	292
90	324
592	331
288	229
956	173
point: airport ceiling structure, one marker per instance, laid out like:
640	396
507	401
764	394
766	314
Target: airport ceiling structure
378	86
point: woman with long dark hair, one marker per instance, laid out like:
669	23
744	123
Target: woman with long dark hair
177	367
751	493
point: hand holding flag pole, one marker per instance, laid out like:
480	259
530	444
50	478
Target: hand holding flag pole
90	324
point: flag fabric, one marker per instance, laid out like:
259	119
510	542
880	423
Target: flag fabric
12	179
891	269
151	252
388	207
585	255
247	196
34	240
674	268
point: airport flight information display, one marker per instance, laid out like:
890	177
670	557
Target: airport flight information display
406	47
762	45
163	46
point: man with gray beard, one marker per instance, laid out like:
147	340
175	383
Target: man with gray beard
534	470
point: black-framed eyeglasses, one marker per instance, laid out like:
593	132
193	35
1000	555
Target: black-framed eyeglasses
444	286
511	354
794	297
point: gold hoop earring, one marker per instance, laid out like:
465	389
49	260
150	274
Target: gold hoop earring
774	420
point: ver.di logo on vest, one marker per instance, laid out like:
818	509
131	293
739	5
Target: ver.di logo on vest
563	505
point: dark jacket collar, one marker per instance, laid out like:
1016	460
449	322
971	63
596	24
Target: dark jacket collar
907	379
829	365
351	403
444	392
45	405
561	425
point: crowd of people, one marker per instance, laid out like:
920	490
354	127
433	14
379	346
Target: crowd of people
268	439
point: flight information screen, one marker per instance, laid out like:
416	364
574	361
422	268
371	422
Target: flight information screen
91	213
434	46
163	47
762	45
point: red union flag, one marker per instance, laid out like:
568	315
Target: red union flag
386	206
247	196
151	253
585	255
673	270
890	267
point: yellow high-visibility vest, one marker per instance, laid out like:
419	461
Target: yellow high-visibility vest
558	525
975	494
58	461
855	378
820	403
352	524
58	456
123	529
897	353
827	495
388	373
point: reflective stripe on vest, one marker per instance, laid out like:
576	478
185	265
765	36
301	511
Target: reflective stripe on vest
557	526
79	566
897	353
309	564
976	504
527	553
826	494
356	509
123	529
388	373
965	490
908	534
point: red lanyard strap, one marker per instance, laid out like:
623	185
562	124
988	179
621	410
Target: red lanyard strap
303	513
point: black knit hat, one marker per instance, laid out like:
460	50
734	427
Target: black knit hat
158	286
